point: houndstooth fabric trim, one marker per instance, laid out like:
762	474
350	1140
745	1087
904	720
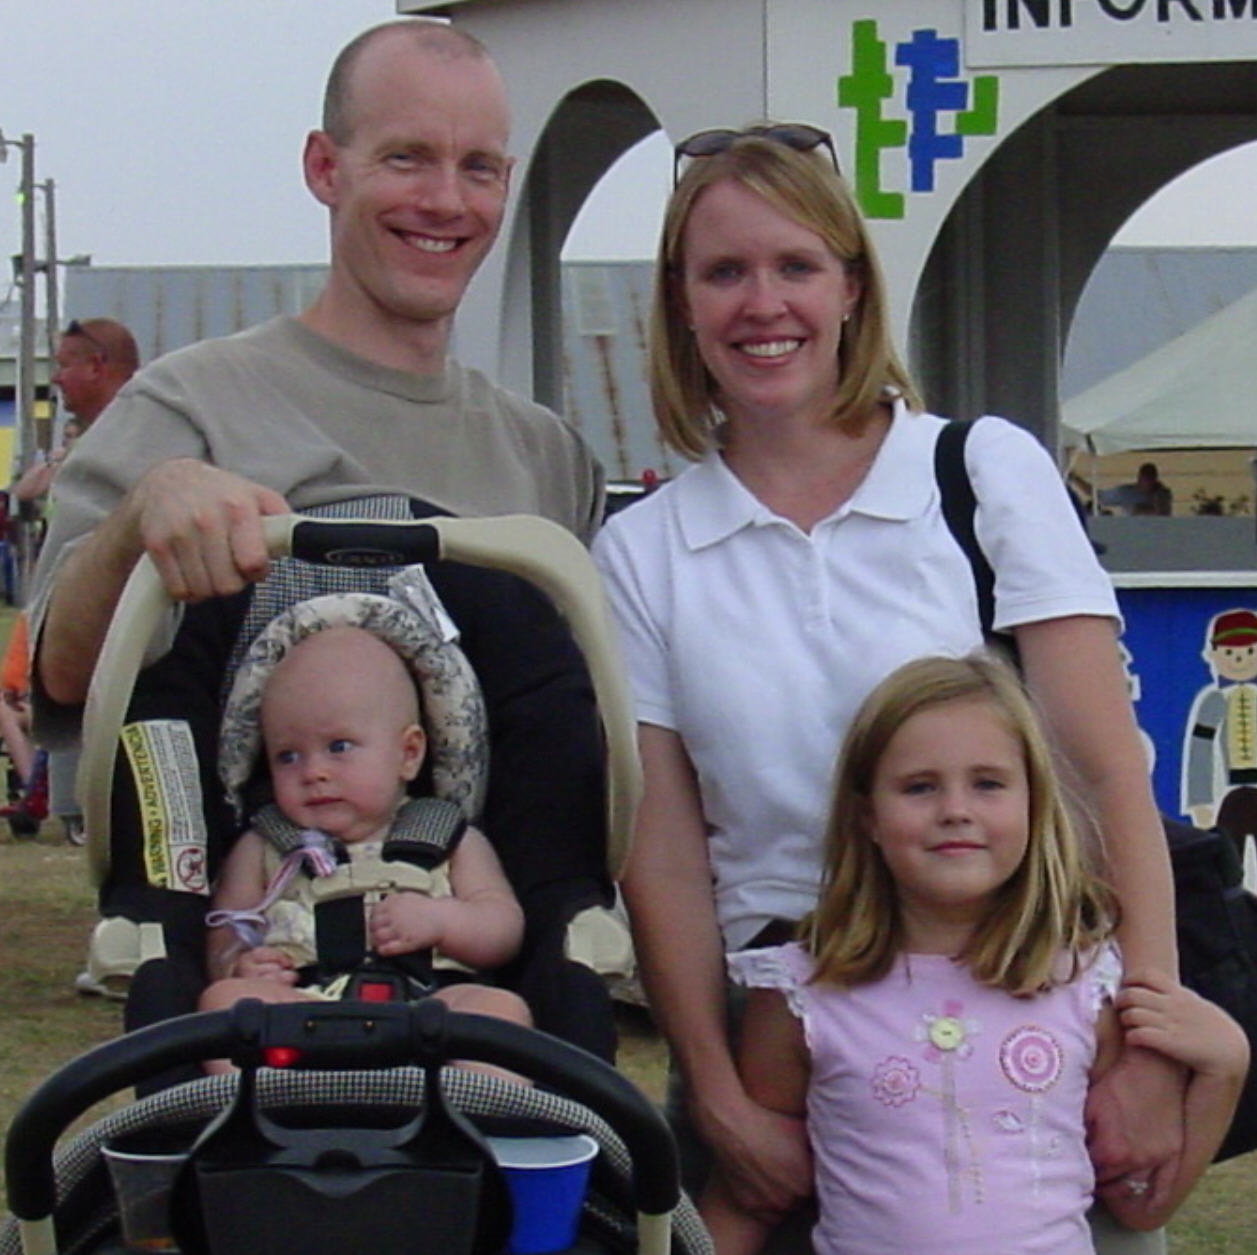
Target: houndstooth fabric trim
478	1095
430	822
453	711
290	580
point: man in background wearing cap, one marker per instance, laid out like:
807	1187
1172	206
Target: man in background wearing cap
1220	756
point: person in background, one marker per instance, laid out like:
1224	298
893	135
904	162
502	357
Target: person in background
33	486
956	992
1146	495
766	590
94	359
15	701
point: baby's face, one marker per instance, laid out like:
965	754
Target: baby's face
339	760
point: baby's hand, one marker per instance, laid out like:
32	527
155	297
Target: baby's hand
265	963
405	922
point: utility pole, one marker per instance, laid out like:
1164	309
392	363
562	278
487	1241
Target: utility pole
26	346
26	276
52	303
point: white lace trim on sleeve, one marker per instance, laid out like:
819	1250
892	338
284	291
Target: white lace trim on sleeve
1105	974
785	968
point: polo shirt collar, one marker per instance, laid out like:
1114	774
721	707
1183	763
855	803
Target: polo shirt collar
717	504
900	483
898	487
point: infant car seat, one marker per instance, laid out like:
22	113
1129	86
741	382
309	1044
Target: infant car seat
159	822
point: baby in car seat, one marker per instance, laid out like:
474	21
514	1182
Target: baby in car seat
342	737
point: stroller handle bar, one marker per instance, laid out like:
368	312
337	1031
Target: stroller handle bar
535	549
375	1035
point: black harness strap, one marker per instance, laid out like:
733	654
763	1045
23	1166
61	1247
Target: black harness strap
424	834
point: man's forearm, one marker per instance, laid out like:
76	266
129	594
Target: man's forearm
80	606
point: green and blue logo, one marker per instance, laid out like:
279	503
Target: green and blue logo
943	110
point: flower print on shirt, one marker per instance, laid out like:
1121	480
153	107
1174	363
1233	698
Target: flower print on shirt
949	1041
947	1032
1032	1061
1031	1058
895	1081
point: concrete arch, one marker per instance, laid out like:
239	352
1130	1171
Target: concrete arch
1003	279
590	128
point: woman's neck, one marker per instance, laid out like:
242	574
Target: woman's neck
804	470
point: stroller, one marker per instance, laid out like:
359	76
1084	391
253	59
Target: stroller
547	801
338	1103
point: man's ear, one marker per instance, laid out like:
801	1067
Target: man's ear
414	747
318	162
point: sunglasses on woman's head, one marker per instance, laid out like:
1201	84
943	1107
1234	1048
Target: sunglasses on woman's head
797	135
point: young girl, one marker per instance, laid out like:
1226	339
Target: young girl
940	1027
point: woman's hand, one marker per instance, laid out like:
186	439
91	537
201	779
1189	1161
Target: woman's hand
764	1155
1135	1122
1163	1019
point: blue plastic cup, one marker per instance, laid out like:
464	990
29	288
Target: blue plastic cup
547	1178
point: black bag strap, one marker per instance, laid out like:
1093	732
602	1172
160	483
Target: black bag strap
960	506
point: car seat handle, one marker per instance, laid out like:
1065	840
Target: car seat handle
535	549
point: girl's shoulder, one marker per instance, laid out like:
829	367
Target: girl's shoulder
1102	972
1094	974
786	968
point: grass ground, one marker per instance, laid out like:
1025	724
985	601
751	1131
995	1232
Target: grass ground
46	914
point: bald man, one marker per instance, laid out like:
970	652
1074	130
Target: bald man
94	358
356	396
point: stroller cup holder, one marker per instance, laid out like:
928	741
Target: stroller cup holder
254	1185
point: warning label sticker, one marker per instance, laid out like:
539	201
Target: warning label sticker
163	763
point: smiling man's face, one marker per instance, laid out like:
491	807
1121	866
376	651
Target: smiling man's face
417	187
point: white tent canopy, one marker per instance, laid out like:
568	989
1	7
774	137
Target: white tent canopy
1199	391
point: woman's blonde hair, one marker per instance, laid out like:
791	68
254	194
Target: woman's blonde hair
805	187
1053	904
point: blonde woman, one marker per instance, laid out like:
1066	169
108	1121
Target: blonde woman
764	592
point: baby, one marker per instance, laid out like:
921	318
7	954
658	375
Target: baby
340	725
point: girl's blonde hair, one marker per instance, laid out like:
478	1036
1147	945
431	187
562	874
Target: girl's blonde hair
805	187
1053	904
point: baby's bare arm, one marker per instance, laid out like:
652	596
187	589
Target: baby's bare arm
241	885
481	925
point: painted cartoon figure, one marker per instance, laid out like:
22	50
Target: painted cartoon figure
1220	748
